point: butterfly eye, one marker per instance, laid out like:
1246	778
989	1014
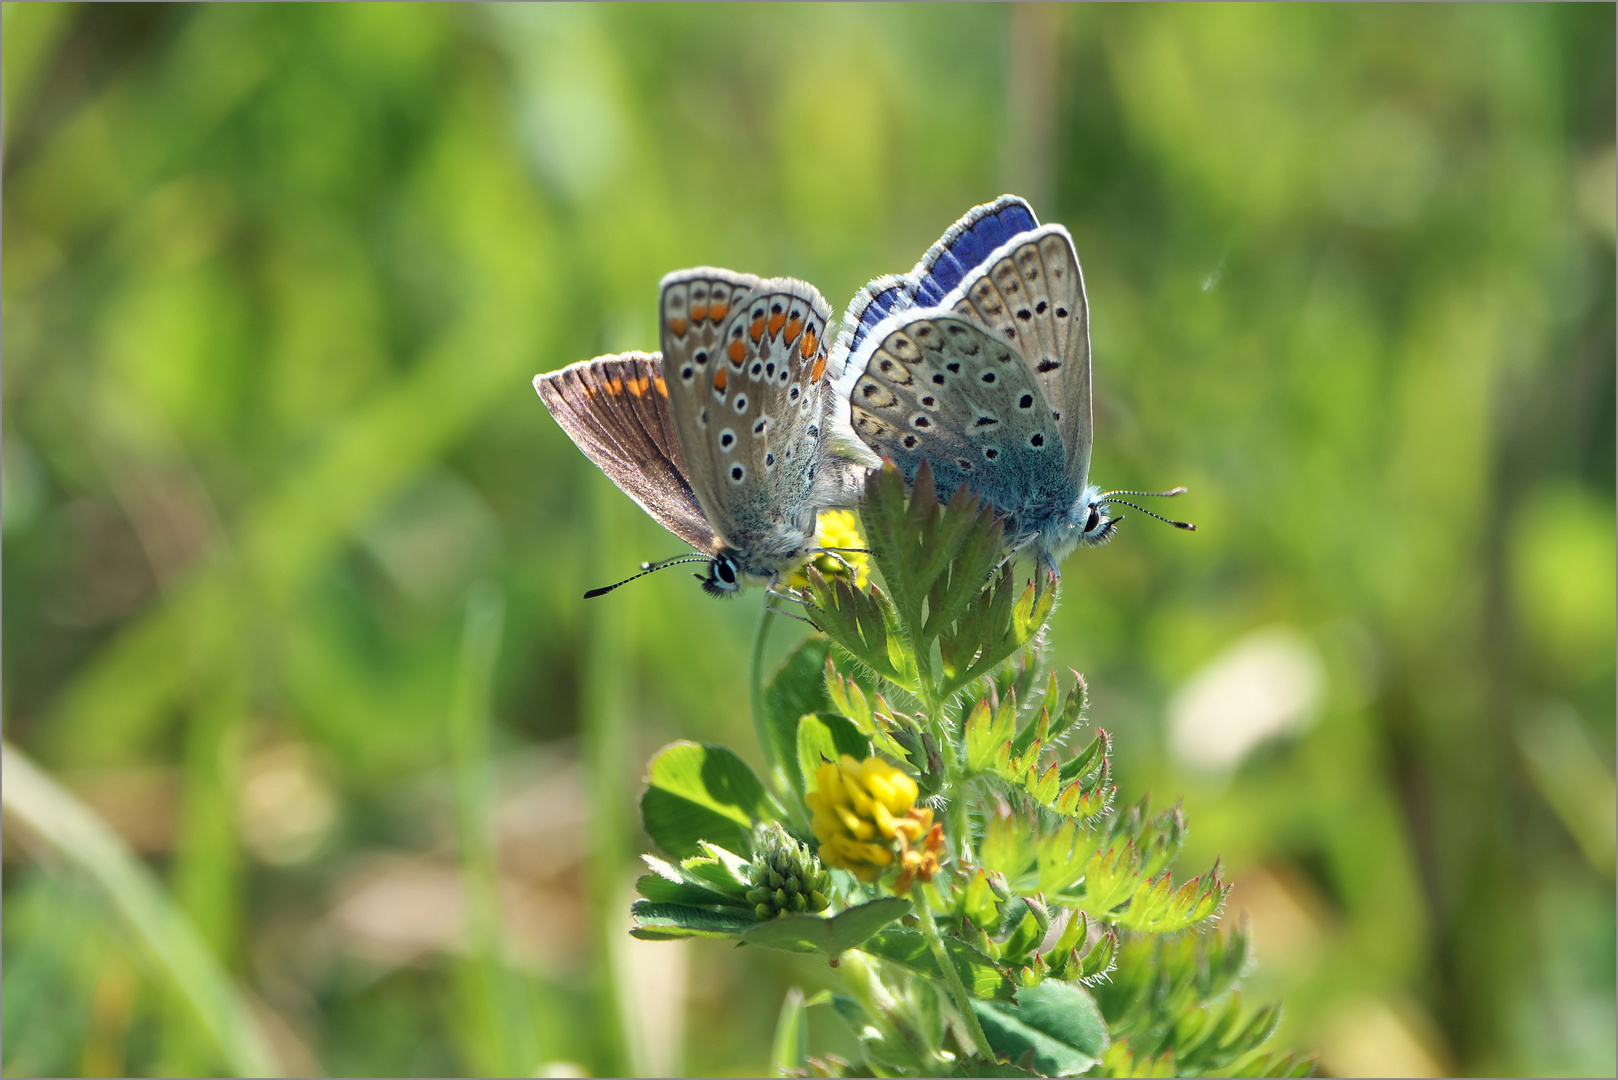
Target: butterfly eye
724	571
1094	520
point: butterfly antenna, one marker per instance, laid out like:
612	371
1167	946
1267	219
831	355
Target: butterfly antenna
648	568
1148	494
1186	525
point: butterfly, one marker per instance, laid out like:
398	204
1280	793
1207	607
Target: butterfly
977	363
726	437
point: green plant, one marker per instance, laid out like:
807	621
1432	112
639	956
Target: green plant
937	829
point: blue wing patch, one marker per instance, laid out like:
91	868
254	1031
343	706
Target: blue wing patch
967	243
958	252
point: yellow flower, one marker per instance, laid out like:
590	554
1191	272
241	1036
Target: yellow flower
918	862
840	530
866	810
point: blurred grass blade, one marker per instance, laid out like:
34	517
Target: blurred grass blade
1573	778
503	1040
162	931
790	1054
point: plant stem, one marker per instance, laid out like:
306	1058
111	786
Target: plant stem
755	688
952	978
774	765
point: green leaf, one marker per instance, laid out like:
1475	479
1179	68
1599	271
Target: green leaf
798	687
909	949
864	623
661	890
934	560
1058	1021
991	629
664	922
701	792
976	1066
811	933
827	737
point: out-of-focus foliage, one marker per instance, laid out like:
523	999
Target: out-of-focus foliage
275	279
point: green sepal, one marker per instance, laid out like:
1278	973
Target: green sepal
1073	709
988	733
978	902
1023	937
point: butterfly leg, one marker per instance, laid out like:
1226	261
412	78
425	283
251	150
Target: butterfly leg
834	553
1015	550
770	593
1047	576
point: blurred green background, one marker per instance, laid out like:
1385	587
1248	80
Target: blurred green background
293	555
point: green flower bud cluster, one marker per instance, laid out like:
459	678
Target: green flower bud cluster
786	878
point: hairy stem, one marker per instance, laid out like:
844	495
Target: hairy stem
952	978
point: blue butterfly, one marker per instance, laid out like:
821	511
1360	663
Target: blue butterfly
977	364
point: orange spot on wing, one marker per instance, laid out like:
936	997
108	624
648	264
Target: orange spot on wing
738	351
794	328
662	387
677	327
756	331
776	322
820	369
807	348
699	312
718	309
615	387
637	386
720	379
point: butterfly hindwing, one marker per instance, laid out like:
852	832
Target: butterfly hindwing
693	307
938	386
1031	290
616	409
751	397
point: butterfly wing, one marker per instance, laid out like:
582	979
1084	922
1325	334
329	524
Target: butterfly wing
616	410
751	398
1031	290
963	246
938	386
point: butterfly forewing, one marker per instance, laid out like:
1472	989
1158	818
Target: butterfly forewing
1032	291
940	387
963	246
616	409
